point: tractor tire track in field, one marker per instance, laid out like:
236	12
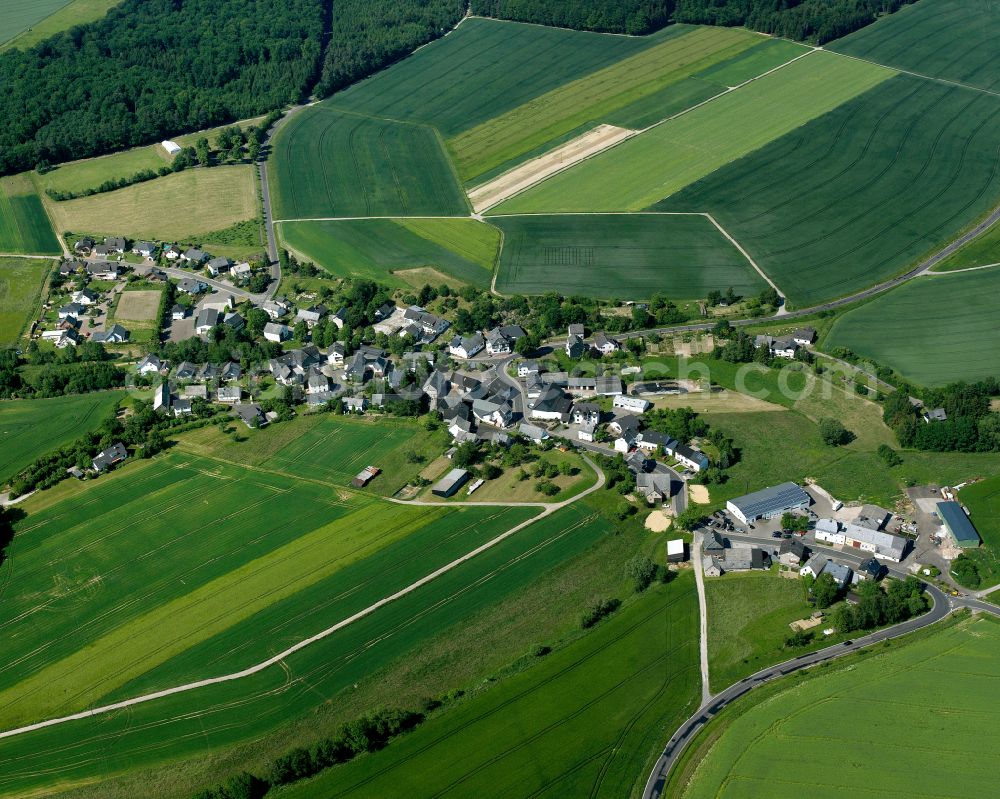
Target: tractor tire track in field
548	510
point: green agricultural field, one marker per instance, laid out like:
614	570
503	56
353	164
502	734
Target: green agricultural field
27	22
504	139
174	537
581	723
863	192
333	164
776	741
761	58
934	330
24	227
665	159
390	250
21	281
204	721
191	202
983	501
708	83
485	68
32	428
951	39
19	15
984	250
622	256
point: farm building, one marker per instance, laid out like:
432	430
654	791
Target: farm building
958	524
450	483
879	543
171	147
710	566
675	550
365	476
768	502
633	404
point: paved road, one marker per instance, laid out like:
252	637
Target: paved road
716	704
265	194
222	288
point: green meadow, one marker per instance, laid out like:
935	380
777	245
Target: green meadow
21	281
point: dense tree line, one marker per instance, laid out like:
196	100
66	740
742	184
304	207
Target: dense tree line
154	68
74	370
817	21
370	34
612	16
366	734
806	20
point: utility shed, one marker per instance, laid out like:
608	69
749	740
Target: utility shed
450	483
958	524
675	550
768	502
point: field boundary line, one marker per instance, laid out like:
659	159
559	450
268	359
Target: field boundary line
752	262
305	642
640	131
362	218
911	73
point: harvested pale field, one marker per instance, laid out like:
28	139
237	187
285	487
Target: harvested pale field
538	169
138	306
699	494
188	203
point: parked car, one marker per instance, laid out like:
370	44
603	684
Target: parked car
775	534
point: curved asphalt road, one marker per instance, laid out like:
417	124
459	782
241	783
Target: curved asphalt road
716	704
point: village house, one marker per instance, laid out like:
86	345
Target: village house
277	332
103	270
466	346
605	345
116	334
217	266
194	257
206	319
146	249
586	413
113	455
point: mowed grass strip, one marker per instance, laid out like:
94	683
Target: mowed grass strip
379	248
668	157
21	283
624	256
581	722
486	67
147	640
24	226
951	39
762	741
31	428
503	139
333	164
183	204
862	193
934	330
203	721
